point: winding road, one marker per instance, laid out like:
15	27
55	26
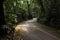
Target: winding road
31	31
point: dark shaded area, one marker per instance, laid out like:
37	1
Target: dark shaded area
2	17
50	13
29	11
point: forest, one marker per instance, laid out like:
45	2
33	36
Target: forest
14	12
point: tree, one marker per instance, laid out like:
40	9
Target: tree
29	11
51	11
2	17
41	17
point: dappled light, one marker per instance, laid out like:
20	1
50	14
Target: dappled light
31	30
29	19
25	27
21	28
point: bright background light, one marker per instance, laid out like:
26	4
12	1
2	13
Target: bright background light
22	2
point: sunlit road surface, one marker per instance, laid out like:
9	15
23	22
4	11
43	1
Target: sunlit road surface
30	31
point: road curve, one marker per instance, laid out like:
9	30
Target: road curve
30	31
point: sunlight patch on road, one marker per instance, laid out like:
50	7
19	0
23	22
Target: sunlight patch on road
21	28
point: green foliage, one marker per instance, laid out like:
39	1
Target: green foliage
20	10
49	12
9	11
10	18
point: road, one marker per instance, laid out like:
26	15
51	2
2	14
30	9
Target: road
31	31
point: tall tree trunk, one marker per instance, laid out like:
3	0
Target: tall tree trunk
42	7
2	18
42	11
29	11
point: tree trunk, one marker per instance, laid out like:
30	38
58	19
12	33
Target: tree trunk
2	18
29	11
